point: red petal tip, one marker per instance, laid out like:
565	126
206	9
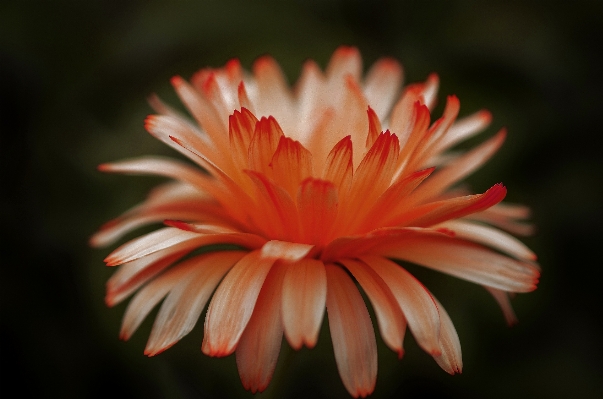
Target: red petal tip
178	224
176	80
176	140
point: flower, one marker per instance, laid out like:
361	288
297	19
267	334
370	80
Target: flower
303	194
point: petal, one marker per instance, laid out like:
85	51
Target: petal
392	323
339	166
241	127
350	119
437	212
502	298
150	243
204	112
463	129
181	309
150	212
304	296
276	213
371	179
317	203
265	140
146	299
132	275
344	61
505	216
381	85
352	334
460	168
451	358
232	305
285	251
465	260
291	163
417	304
162	167
216	234
490	237
260	344
374	127
383	210
274	97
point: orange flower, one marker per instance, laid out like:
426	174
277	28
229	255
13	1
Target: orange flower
308	192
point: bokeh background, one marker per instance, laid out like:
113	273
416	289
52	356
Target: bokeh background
74	77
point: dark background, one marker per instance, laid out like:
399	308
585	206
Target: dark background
73	81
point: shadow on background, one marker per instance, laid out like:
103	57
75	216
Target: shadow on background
73	81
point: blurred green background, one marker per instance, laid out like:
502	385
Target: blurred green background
74	76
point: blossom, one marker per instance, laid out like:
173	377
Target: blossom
298	198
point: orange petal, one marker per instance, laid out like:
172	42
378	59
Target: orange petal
266	137
374	127
371	179
437	212
181	309
260	344
392	323
417	304
304	296
241	127
352	334
317	203
276	213
460	168
466	260
381	85
384	207
290	164
204	112
232	304
339	167
404	114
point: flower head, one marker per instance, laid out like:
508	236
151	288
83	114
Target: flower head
314	191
